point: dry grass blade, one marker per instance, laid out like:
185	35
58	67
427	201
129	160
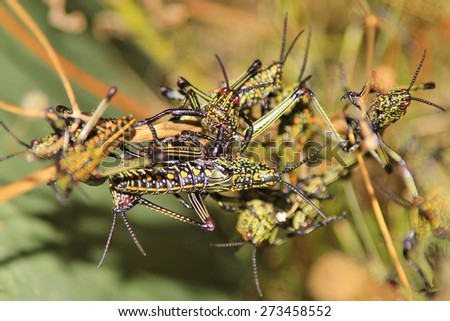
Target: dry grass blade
82	78
382	223
10	108
27	184
29	22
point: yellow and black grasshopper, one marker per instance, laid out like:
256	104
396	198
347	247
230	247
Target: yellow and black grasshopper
224	107
385	109
221	114
79	155
197	178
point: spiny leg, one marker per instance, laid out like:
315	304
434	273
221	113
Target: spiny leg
203	225
198	204
408	245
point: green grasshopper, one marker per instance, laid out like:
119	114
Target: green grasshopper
272	217
385	109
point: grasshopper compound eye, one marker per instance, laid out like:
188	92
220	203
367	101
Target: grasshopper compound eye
407	98
224	91
236	101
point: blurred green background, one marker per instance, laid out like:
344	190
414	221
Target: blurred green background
50	251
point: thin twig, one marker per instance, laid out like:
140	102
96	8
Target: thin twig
40	36
27	184
381	222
